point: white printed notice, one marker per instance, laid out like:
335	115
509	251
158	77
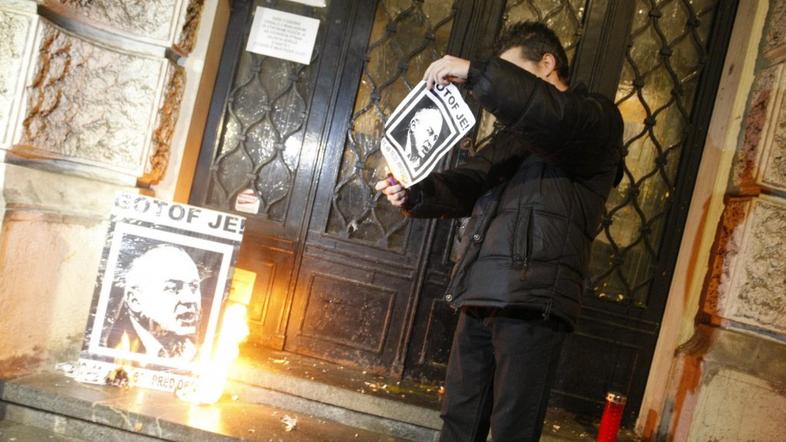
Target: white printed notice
317	3
280	34
422	129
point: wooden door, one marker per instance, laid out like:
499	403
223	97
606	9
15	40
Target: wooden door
660	60
261	150
343	277
362	265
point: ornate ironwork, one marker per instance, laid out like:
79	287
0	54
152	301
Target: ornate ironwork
406	37
263	129
656	94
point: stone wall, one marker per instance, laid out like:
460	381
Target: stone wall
91	93
90	104
729	379
18	24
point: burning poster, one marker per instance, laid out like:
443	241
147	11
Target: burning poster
422	129
165	271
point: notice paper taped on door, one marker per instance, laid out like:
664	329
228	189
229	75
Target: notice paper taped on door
316	3
283	35
422	129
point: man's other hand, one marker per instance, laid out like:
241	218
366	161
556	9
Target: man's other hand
448	69
395	192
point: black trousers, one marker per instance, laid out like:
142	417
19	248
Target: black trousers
500	372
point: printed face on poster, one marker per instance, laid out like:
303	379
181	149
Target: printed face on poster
165	271
422	129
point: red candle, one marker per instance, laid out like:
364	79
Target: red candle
612	416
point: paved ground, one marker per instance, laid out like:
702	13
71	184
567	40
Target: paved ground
101	413
12	431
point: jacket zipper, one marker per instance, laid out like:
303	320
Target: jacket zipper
547	311
529	242
517	261
522	261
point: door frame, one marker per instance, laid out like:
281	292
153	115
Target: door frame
702	214
689	163
330	72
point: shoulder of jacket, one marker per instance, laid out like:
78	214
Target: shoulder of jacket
606	104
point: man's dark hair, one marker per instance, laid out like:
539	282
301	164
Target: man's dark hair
535	40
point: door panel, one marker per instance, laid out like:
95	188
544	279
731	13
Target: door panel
342	276
273	261
665	93
655	57
360	251
262	142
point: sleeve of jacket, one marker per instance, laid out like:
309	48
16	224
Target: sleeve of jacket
452	194
580	132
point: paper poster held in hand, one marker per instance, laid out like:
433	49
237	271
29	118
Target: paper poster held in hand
422	129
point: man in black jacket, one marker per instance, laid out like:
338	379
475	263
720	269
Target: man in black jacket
535	196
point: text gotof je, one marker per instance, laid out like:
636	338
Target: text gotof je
453	103
181	213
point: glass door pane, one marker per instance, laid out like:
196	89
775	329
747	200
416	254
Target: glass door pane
406	37
656	94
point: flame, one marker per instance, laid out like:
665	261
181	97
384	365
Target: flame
119	376
213	368
125	346
125	343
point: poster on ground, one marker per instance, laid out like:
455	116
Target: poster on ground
165	271
422	129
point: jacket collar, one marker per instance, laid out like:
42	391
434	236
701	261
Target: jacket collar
578	87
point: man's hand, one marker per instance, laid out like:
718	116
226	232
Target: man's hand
446	70
395	192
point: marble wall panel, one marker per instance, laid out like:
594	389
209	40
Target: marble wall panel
16	30
755	291
89	103
736	406
775	36
724	253
156	20
165	128
188	31
765	96
773	163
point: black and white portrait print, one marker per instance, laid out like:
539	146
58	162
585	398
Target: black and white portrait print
158	303
165	271
422	129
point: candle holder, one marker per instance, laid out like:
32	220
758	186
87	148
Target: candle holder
612	416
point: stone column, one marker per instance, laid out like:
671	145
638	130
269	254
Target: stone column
729	379
90	95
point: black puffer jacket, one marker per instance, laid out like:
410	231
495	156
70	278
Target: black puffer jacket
535	194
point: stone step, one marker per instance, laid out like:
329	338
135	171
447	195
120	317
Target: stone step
345	394
377	413
59	405
370	412
15	432
31	424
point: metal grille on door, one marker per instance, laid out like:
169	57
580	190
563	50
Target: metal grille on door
405	39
